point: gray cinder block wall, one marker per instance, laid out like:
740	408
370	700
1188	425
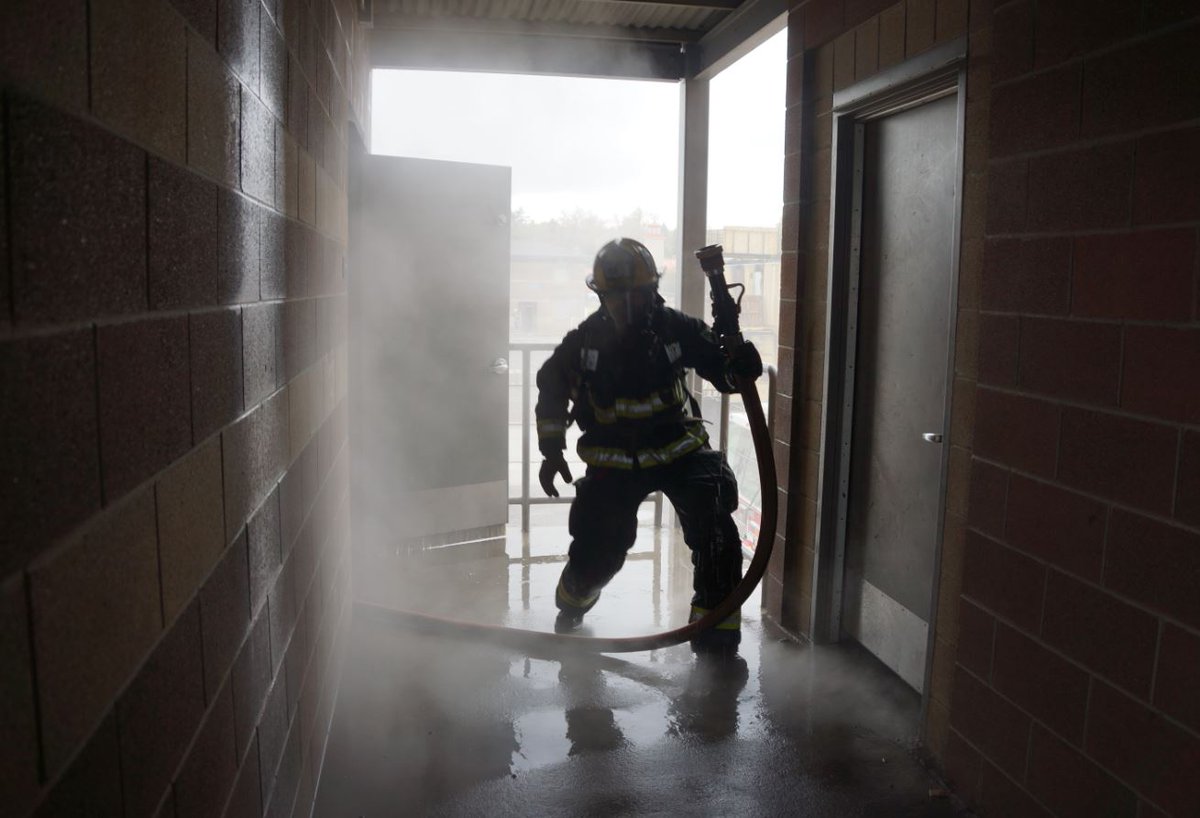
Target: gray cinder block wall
173	462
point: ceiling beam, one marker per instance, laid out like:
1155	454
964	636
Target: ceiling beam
520	28
451	50
726	5
735	36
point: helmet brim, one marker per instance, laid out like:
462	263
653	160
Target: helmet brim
594	287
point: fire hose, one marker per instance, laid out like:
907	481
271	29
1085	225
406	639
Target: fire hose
725	325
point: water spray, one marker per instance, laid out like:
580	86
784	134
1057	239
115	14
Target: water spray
728	331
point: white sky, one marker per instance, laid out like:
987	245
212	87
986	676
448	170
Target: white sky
607	146
745	138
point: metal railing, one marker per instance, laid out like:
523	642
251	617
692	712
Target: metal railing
526	390
526	501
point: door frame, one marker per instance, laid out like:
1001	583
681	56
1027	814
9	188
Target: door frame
938	73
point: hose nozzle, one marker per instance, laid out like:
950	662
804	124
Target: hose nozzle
712	259
724	309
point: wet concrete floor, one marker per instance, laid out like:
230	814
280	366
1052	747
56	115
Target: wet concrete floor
429	725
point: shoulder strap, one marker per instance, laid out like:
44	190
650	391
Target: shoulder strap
674	352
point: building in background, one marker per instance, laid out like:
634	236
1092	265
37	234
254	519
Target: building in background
752	260
550	265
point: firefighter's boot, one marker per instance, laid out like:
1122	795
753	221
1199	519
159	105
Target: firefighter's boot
721	641
572	604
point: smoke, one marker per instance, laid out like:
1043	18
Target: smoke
423	722
430	445
430	251
837	690
448	726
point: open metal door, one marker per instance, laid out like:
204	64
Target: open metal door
428	313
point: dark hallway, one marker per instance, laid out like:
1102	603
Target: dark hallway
182	543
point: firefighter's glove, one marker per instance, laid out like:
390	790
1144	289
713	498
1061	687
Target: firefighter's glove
554	465
744	362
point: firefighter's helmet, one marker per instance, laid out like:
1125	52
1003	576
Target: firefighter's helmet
623	264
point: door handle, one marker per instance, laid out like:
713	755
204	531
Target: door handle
932	437
499	366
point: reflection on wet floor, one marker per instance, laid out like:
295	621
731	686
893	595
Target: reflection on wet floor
431	725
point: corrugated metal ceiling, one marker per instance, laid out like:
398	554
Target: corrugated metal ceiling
632	39
668	21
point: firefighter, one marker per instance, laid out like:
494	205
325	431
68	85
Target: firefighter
620	375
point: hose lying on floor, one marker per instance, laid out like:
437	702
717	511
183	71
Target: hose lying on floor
541	642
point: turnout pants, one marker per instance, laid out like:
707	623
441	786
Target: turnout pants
603	526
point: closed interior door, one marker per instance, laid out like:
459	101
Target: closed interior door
909	173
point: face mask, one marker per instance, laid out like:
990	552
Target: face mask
630	309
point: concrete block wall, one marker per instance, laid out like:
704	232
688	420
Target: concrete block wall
1079	623
1068	633
174	556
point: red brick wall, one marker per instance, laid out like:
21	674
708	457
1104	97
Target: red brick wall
1080	612
1067	645
173	564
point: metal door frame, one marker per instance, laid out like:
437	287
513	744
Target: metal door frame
935	74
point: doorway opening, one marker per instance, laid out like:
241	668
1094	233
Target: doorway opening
592	159
589	160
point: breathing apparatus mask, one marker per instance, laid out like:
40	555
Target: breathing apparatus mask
626	280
